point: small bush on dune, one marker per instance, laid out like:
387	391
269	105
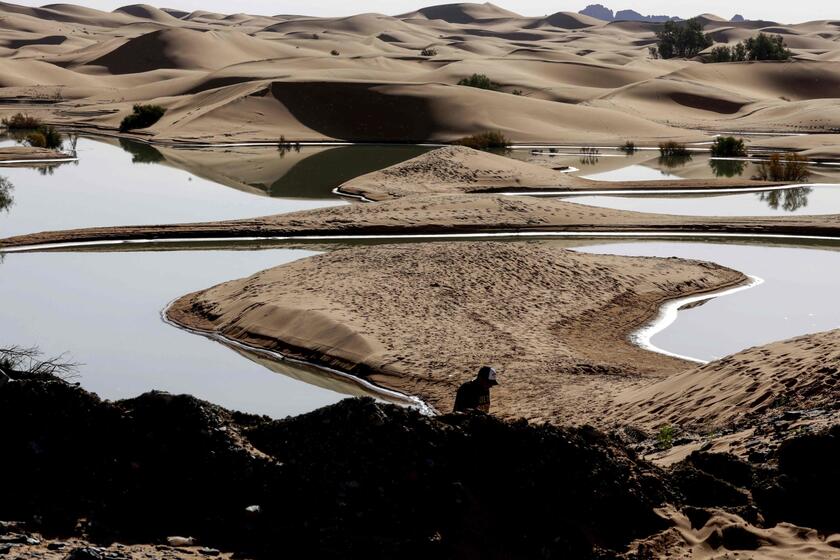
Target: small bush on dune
729	146
479	81
21	121
334	52
784	167
490	140
428	51
142	116
673	149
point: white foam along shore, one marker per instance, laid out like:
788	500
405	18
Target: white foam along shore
669	311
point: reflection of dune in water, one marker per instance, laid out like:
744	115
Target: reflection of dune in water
309	172
319	377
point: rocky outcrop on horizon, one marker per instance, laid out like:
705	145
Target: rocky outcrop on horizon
601	12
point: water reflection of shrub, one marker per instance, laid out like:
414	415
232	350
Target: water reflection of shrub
727	168
140	152
674	161
6	199
788	200
784	167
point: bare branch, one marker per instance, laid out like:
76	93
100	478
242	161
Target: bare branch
28	362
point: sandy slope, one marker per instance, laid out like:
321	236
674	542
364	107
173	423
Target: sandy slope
363	77
430	322
441	214
744	389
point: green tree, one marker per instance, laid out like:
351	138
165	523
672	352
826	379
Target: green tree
766	47
682	39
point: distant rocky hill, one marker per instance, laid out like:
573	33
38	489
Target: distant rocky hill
603	13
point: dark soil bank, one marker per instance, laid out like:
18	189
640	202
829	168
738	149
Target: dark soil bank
358	479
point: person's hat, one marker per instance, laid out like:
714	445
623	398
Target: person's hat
489	374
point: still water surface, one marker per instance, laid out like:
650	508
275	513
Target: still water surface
104	308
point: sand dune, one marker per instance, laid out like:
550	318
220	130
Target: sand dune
184	49
419	334
458	169
744	389
576	78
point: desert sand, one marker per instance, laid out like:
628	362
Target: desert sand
559	325
420	318
9	155
247	78
444	214
457	169
744	389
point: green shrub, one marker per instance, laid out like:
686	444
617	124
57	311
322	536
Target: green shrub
628	148
36	139
334	52
21	121
784	167
54	140
517	92
489	140
428	51
673	149
681	39
142	116
479	81
665	437
721	54
729	146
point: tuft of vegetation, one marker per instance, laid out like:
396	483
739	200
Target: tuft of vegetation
6	199
673	149
628	148
729	146
490	140
45	137
429	51
760	47
479	81
784	167
665	437
142	116
335	52
36	139
517	92
681	39
22	121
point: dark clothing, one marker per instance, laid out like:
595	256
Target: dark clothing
472	395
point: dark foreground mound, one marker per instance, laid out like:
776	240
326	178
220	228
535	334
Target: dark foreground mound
361	479
358	479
